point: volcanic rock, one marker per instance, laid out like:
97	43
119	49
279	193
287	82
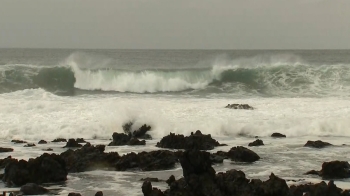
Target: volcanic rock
333	170
239	106
242	154
257	142
278	135
72	143
33	189
42	142
29	145
18	141
317	144
59	140
6	149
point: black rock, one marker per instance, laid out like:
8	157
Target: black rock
4	162
6	149
148	190
44	169
278	135
99	193
33	189
319	189
42	142
59	140
136	142
140	133
18	141
120	139
257	142
80	140
74	194
72	144
197	141
333	170
48	149
239	106
317	144
29	145
242	154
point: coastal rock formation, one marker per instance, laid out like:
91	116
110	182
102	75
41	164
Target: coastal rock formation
33	189
317	144
72	143
257	142
140	133
6	161
242	154
44	169
18	141
333	170
239	106
29	145
42	142
121	139
147	161
6	149
80	140
194	141
88	158
59	140
278	135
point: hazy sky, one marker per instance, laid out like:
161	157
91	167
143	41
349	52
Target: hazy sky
176	24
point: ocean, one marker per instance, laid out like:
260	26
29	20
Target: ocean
72	93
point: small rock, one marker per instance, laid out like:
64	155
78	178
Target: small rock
42	142
59	140
151	179
278	135
317	144
99	193
242	154
80	140
29	145
18	141
257	142
239	106
33	189
72	144
48	149
6	149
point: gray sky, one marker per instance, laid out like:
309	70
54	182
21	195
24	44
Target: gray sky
176	24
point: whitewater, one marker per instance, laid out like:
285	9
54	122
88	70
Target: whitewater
91	94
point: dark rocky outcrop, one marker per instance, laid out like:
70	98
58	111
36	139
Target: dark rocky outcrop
317	144
242	154
72	143
29	145
319	189
121	139
194	141
239	106
80	140
148	190
48	149
140	133
99	193
74	194
333	170
278	135
257	142
33	189
18	141
59	140
6	149
42	142
89	158
151	179
44	169
4	162
147	161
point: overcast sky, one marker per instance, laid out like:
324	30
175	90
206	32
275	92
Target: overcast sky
176	24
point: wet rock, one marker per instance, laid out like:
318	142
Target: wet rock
148	190
33	189
99	193
239	106
216	158
48	149
18	141
333	170
147	161
194	141
136	142
44	169
121	139
140	133
275	186
319	189
242	154
29	145
278	135
72	143
59	140
6	161
257	142
151	179
42	142
80	140
170	180
74	194
317	144
89	158
312	172
6	149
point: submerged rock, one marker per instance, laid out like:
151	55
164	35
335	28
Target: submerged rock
44	169
239	106
59	140
6	149
147	161
333	170
317	144
89	158
18	141
257	142
72	143
121	139
194	141
29	145
33	189
42	142
242	154
278	135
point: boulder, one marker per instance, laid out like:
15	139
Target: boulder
239	106
74	194
242	154
196	140
257	142
333	170
29	145
59	140
319	189
42	142
48	149
136	142
6	149
278	135
148	190
151	179
33	189
140	133
89	158
99	193
44	169
6	161
317	144
18	141
72	143
147	161
80	140
121	139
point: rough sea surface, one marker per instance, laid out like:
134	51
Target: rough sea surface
51	93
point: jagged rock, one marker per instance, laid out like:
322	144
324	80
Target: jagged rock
18	141
89	158
147	161
59	140
6	149
44	169
275	186
33	189
242	154
29	145
278	135
317	144
319	189
148	190
140	133
333	170
99	193
6	161
170	180
80	140
239	106
72	144
121	139
257	142
42	142
194	141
